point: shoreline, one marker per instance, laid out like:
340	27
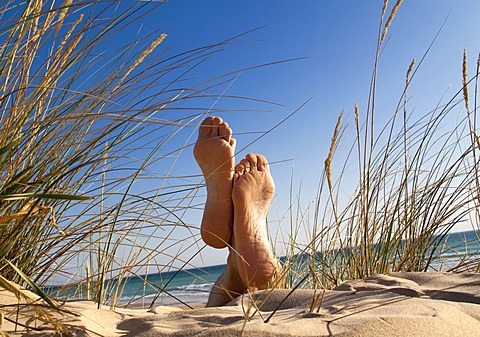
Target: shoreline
193	285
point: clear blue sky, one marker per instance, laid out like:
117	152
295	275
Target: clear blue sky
337	39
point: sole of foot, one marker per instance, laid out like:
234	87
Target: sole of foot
214	152
253	189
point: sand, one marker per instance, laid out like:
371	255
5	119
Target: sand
398	304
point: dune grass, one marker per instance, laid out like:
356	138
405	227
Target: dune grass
82	132
83	128
416	179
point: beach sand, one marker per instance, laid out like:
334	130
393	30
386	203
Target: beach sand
398	304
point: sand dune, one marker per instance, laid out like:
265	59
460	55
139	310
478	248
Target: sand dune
399	304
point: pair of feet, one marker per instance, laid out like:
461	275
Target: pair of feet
238	199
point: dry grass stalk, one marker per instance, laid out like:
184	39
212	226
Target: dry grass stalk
26	299
358	138
142	57
63	13
465	81
390	19
384	8
409	71
405	149
357	122
333	145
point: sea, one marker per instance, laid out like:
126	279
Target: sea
188	287
191	287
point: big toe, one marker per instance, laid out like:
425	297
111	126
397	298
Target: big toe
209	127
205	129
252	160
262	163
217	121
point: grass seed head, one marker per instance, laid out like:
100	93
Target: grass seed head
465	80
390	19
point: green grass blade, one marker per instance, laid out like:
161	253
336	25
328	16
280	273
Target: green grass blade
32	284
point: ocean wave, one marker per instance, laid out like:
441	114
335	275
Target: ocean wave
173	297
192	287
191	290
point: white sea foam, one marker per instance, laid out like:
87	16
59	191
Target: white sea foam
194	287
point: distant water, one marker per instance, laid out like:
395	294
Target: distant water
192	286
458	247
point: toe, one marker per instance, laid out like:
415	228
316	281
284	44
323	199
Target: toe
246	165
225	132
239	169
252	159
217	121
262	163
206	128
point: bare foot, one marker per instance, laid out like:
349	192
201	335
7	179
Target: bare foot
251	263
252	193
214	152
